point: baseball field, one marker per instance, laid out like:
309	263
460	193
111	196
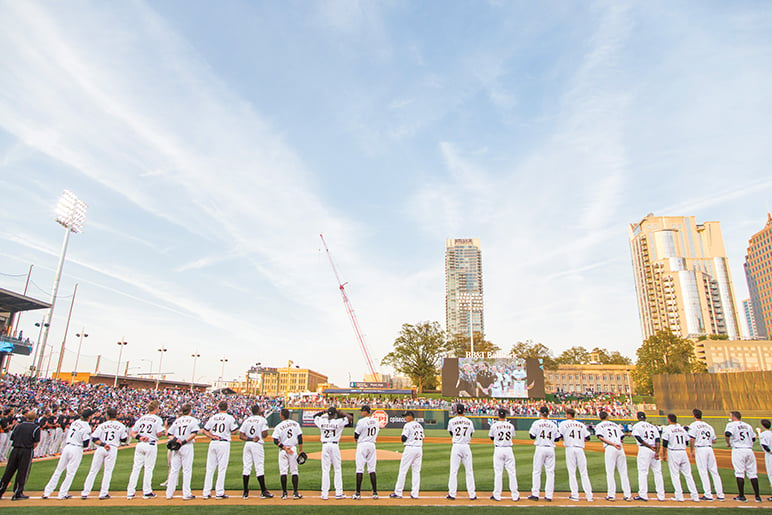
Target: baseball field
434	478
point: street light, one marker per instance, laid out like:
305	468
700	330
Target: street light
82	334
160	364
41	324
193	376
222	371
70	214
120	354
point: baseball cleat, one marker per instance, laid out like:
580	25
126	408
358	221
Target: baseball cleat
341	496
548	499
392	495
740	498
206	496
758	499
223	496
84	496
245	495
572	498
628	498
356	496
704	498
473	498
266	495
129	497
375	495
151	495
65	497
297	495
412	497
284	495
189	498
492	498
609	498
533	497
450	497
104	497
639	498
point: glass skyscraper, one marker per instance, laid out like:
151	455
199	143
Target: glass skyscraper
463	287
758	274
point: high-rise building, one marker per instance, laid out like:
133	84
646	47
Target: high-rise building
758	274
750	319
463	286
682	277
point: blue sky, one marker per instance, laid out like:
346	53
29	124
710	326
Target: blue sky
214	144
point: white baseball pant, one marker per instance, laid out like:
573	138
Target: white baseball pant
5	438
216	459
744	463
616	460
182	459
101	457
706	462
288	463
645	463
412	457
40	450
70	460
678	462
543	457
575	458
365	456
461	453
145	455
331	456
59	440
768	463
253	455
503	458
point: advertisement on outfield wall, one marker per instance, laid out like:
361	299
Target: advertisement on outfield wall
390	418
492	375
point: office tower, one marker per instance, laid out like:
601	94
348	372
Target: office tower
750	319
463	287
758	274
682	277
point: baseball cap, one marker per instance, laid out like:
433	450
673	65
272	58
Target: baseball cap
408	413
86	413
503	413
460	409
544	410
366	408
641	415
331	411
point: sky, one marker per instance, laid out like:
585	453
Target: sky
213	144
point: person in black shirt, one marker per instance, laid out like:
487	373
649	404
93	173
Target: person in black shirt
25	437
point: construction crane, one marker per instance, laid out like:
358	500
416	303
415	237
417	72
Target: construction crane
351	314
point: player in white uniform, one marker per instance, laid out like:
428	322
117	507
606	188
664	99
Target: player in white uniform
147	429
218	428
461	429
412	456
287	435
365	435
544	433
611	434
574	434
647	437
739	436
501	433
108	436
765	439
254	431
78	437
331	424
184	429
701	438
674	442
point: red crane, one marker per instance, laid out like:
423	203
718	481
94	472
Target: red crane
351	314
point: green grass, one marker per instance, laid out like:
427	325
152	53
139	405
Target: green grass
434	476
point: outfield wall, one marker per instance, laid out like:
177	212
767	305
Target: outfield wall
715	394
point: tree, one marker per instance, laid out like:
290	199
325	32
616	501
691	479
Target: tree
460	345
574	356
418	351
664	353
604	357
528	349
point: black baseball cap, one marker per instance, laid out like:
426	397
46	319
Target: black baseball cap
641	415
331	411
366	408
503	413
460	409
544	410
408	414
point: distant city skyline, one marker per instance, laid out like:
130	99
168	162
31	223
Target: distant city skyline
758	274
214	143
464	292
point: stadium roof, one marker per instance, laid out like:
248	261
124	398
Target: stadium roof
11	302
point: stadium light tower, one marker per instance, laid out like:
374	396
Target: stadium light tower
160	364
70	214
122	343
193	377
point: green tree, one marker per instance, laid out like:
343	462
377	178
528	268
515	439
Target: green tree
605	357
664	353
418	351
529	349
574	356
460	345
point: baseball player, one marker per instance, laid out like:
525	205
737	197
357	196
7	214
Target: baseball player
108	436
647	437
7	423
331	424
674	442
78	437
254	431
365	435
611	435
62	422
218	428
183	430
544	433
701	438
739	436
42	421
574	434
287	435
147	429
461	429
412	456
765	439
501	433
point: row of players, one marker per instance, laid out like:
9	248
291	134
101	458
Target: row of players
655	446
